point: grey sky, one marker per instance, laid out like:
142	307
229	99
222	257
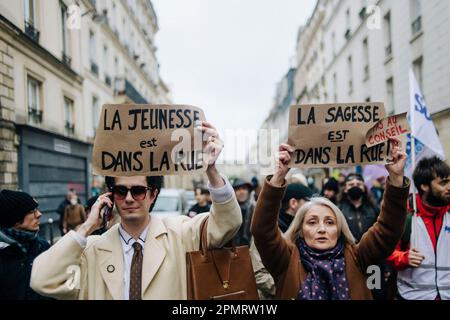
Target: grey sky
226	56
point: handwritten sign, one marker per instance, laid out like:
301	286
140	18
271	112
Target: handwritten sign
148	140
390	127
333	135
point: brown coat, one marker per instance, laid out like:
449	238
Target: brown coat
282	258
74	215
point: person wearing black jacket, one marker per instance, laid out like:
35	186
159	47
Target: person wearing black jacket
202	205
357	206
361	213
296	195
242	189
19	244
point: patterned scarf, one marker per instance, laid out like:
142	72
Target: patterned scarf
326	278
22	239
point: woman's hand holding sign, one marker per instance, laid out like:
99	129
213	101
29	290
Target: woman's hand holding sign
283	159
396	167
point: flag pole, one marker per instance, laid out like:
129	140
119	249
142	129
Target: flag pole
413	237
414	217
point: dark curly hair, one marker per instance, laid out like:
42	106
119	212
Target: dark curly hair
429	169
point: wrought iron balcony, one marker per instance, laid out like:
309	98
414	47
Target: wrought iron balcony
34	115
31	31
108	80
94	68
116	32
66	59
389	50
362	13
366	72
69	128
123	87
417	25
348	34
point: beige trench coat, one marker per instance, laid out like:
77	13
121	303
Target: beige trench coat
99	266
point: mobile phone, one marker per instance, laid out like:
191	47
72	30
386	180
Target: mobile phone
107	214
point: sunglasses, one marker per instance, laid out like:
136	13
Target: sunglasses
137	192
354	177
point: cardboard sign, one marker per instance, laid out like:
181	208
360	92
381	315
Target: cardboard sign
390	127
148	140
334	135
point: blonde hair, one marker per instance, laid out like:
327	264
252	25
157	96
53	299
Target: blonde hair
295	229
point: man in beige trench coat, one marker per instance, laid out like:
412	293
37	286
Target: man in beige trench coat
143	257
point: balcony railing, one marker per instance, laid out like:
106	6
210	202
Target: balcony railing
116	32
34	115
362	13
69	128
94	68
348	34
416	26
66	59
389	50
31	31
123	86
366	72
108	80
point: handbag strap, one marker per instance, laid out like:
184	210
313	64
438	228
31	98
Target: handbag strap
204	249
204	238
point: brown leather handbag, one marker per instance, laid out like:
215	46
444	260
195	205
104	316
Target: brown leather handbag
220	274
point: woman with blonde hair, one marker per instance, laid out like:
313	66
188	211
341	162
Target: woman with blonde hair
317	258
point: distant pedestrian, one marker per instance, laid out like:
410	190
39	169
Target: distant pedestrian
242	189
74	215
62	208
202	205
331	190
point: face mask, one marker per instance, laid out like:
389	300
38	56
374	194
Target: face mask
355	193
73	202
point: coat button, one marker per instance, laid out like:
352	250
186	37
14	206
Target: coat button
110	268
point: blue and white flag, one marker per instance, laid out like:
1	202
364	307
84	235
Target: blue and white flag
427	143
422	127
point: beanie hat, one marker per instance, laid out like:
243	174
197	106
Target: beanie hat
241	183
14	206
332	184
297	191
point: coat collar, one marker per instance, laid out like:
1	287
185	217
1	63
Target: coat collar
110	255
154	252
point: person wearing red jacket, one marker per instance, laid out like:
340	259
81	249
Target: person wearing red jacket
424	269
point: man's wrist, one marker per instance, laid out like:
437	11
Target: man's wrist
215	179
85	230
